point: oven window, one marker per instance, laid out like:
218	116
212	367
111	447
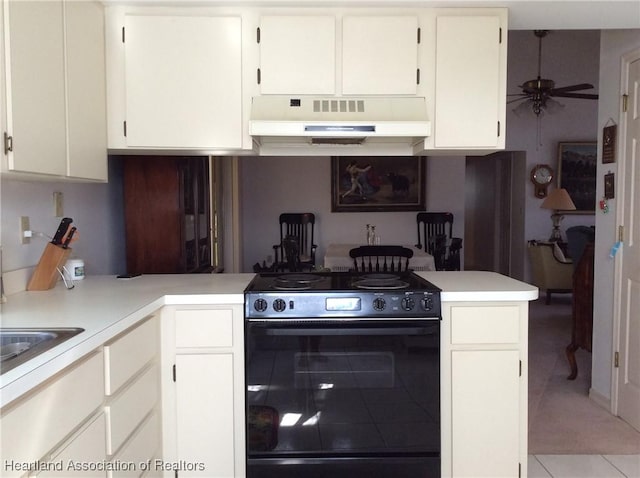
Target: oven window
335	391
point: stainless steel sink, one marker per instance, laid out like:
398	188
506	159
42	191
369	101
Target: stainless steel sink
20	345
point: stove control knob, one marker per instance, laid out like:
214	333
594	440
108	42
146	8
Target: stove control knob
408	303
279	305
379	304
260	305
427	303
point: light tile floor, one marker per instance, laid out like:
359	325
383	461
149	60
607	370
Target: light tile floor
584	466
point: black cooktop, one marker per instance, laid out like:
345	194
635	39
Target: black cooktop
295	296
338	281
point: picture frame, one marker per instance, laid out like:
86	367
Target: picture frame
609	186
377	183
577	163
609	134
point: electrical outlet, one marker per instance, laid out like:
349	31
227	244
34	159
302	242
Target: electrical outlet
24	226
58	209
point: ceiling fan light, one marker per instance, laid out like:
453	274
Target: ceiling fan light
523	109
552	106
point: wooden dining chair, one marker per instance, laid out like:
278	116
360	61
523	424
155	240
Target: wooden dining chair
299	227
381	258
435	230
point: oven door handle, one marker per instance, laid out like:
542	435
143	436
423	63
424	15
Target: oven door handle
293	330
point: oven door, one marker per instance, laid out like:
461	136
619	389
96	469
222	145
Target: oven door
343	398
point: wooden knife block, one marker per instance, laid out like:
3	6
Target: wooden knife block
46	273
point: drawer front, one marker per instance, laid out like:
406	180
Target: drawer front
129	353
142	448
129	408
34	427
204	328
485	325
85	449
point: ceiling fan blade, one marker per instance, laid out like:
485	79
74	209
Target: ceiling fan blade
581	86
584	96
517	99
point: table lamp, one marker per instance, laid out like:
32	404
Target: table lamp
558	200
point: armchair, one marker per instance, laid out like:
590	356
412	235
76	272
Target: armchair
551	272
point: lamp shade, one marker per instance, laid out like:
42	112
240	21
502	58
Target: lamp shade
559	200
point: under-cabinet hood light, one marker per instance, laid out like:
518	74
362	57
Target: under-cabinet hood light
287	121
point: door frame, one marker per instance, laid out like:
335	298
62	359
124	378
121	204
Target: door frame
623	165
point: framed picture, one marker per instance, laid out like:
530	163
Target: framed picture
609	186
577	174
377	183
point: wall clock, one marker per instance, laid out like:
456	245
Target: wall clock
541	177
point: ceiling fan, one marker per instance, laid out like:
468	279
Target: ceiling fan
538	93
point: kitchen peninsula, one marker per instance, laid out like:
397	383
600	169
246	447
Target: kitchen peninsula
137	330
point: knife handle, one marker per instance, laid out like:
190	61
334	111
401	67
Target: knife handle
69	237
62	230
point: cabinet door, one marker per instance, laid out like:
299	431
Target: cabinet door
468	82
86	90
485	413
183	81
205	418
297	55
35	85
379	55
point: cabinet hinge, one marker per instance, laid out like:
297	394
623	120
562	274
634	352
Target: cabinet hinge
519	470
176	474
122	34
620	233
418	76
259	75
500	35
625	103
8	143
124	127
498	129
520	369
258	35
419	35
616	359
173	372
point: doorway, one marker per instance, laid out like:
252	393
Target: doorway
494	213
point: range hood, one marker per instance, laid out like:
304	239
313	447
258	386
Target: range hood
338	125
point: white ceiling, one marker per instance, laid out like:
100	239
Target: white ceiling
523	14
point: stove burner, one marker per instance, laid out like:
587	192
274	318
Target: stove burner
295	281
388	283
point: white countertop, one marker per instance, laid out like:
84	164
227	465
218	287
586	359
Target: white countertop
105	306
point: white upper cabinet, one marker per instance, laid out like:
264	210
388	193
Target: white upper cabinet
379	55
55	86
183	81
35	87
297	55
470	82
86	90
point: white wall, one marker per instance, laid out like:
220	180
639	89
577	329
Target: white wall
95	209
614	44
271	186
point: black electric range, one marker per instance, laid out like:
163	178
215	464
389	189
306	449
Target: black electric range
348	295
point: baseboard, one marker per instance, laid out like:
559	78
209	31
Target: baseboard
597	397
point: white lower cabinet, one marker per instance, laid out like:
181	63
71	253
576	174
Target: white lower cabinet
203	397
484	390
132	406
45	419
74	458
99	417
